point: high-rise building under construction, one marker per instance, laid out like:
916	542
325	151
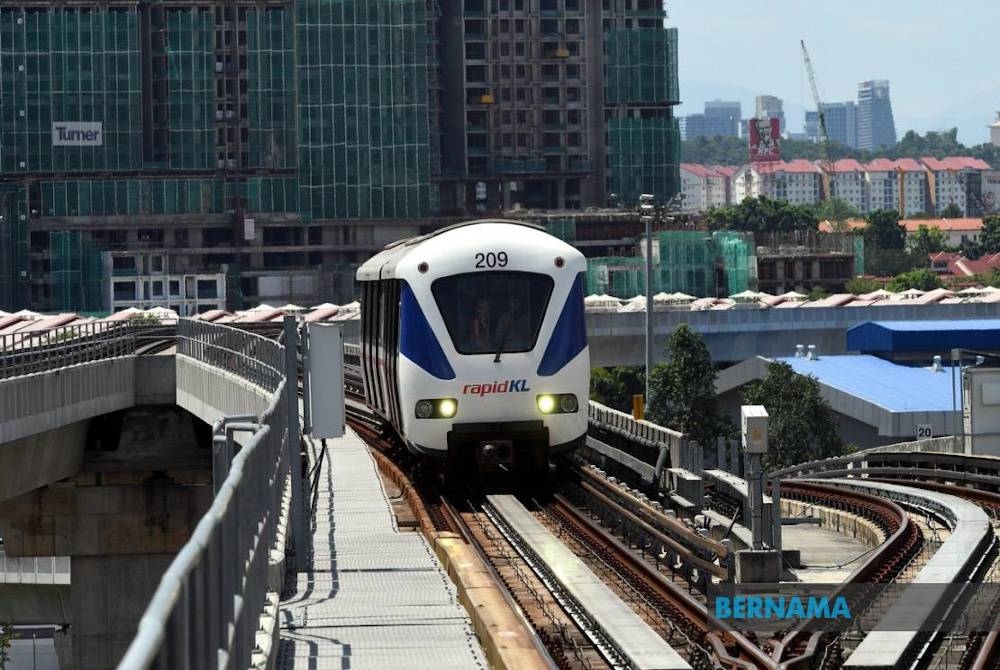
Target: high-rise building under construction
208	153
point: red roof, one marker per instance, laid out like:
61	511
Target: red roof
726	170
886	165
960	266
912	225
799	166
955	163
847	165
699	170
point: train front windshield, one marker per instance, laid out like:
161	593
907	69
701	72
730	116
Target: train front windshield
490	312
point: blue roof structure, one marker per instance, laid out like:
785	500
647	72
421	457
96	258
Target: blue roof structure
916	336
896	388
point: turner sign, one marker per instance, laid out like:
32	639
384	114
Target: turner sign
77	133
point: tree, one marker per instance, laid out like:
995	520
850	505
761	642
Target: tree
683	389
760	215
817	293
7	637
615	387
801	426
927	240
861	285
836	209
884	231
952	211
921	278
989	241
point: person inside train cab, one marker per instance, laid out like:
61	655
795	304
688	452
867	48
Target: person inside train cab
479	329
512	327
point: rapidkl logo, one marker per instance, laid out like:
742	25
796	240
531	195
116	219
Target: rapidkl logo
506	386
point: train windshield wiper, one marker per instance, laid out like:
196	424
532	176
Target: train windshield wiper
503	340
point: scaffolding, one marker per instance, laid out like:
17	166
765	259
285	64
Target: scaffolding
739	261
66	65
271	99
191	85
77	272
563	228
645	156
363	109
13	247
641	66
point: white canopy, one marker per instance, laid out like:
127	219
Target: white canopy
263	307
793	295
290	307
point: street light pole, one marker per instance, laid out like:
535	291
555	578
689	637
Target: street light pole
646	207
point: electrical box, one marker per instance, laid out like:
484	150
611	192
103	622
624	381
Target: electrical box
753	420
325	377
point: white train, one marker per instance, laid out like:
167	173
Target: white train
474	345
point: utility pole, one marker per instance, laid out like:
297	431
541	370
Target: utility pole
647	209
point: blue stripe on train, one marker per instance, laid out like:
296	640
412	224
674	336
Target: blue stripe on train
570	335
416	339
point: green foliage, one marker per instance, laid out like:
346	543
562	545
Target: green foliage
927	240
763	215
952	211
884	231
7	637
921	278
801	426
615	387
733	150
683	389
144	319
989	240
892	262
836	209
817	293
860	285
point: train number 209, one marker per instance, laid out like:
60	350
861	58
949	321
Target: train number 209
491	260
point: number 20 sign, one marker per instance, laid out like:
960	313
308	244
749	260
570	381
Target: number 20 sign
924	431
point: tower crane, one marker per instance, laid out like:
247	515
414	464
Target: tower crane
826	161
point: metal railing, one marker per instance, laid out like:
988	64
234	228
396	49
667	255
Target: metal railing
23	353
206	610
253	357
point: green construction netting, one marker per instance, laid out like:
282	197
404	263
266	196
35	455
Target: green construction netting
363	109
859	255
13	248
191	84
644	157
641	66
69	65
739	260
271	85
686	264
564	229
77	273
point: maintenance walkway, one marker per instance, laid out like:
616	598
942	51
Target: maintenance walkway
373	597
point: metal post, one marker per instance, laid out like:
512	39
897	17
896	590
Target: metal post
756	499
306	392
956	358
294	442
649	304
776	514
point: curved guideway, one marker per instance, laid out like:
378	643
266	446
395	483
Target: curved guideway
971	534
639	644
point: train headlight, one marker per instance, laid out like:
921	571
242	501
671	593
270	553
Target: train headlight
424	409
557	403
546	404
441	408
568	403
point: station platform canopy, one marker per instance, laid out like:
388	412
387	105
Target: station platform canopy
898	337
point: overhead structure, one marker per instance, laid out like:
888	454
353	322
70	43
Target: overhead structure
827	161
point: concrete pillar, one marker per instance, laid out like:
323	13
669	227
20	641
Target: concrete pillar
560	194
505	190
121	530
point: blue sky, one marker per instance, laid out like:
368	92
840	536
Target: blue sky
935	54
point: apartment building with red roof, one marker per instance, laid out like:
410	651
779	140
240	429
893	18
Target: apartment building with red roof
798	181
956	180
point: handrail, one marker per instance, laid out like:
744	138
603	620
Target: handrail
205	612
30	351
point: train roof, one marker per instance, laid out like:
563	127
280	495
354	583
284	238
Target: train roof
383	264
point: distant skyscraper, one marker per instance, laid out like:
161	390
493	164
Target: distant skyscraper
841	123
876	127
721	118
995	132
771	106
